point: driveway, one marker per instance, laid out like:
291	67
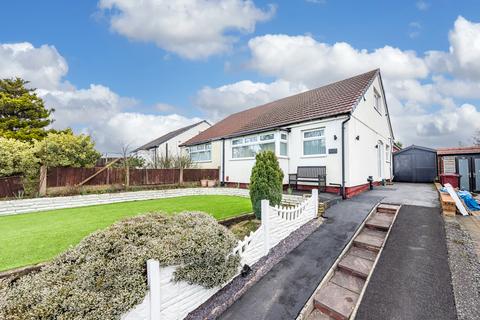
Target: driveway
417	194
412	278
283	292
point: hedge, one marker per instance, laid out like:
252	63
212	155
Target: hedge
105	274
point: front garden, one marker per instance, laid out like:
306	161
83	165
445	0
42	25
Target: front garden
31	238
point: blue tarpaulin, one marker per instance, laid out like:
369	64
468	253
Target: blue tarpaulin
467	198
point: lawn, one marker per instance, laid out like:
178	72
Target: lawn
31	238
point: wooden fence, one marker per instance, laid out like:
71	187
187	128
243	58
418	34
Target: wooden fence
10	186
63	177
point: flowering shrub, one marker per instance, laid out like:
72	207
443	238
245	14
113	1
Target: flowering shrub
105	274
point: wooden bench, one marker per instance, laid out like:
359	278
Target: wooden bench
309	174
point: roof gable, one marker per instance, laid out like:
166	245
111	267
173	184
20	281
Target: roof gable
330	100
156	142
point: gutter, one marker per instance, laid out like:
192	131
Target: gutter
344	196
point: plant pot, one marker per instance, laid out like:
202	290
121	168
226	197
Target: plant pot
211	183
204	182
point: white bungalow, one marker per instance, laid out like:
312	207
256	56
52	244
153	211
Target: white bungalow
342	129
168	145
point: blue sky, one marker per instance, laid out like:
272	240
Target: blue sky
146	80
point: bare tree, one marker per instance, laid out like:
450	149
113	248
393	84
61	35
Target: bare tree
476	138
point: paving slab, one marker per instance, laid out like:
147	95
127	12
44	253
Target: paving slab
363	253
348	281
356	265
370	239
336	300
412	277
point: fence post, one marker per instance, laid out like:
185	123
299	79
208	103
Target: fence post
153	276
42	188
315	202
265	207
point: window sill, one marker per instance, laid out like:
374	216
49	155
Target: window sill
240	159
315	156
203	161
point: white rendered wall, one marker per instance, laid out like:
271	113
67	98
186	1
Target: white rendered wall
371	127
333	161
173	144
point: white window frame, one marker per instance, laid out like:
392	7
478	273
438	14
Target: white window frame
322	137
282	138
377	101
206	147
258	139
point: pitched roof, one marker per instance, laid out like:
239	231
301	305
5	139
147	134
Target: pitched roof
458	150
415	147
155	143
327	101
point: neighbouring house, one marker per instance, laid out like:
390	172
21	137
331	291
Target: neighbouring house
168	145
343	126
464	161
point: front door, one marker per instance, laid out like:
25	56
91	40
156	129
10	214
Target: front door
476	173
464	172
469	170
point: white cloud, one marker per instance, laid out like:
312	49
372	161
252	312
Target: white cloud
303	59
317	1
422	5
415	28
194	29
134	129
462	59
228	99
95	110
446	127
426	93
43	66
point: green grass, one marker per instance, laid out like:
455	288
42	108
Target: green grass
31	238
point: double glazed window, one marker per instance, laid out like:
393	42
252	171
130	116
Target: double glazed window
201	152
314	142
248	147
283	144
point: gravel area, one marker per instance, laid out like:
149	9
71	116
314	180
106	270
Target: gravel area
223	299
465	269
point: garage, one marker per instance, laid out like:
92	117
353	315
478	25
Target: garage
415	164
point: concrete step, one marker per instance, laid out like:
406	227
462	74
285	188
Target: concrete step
370	239
387	208
317	315
348	281
380	221
363	253
355	265
335	301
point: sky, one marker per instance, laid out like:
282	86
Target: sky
127	71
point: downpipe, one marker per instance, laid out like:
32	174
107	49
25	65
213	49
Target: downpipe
344	196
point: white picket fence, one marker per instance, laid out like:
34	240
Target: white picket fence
168	299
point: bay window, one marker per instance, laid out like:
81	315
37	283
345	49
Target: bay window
201	152
314	142
248	147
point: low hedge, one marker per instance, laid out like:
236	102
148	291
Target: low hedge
105	274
